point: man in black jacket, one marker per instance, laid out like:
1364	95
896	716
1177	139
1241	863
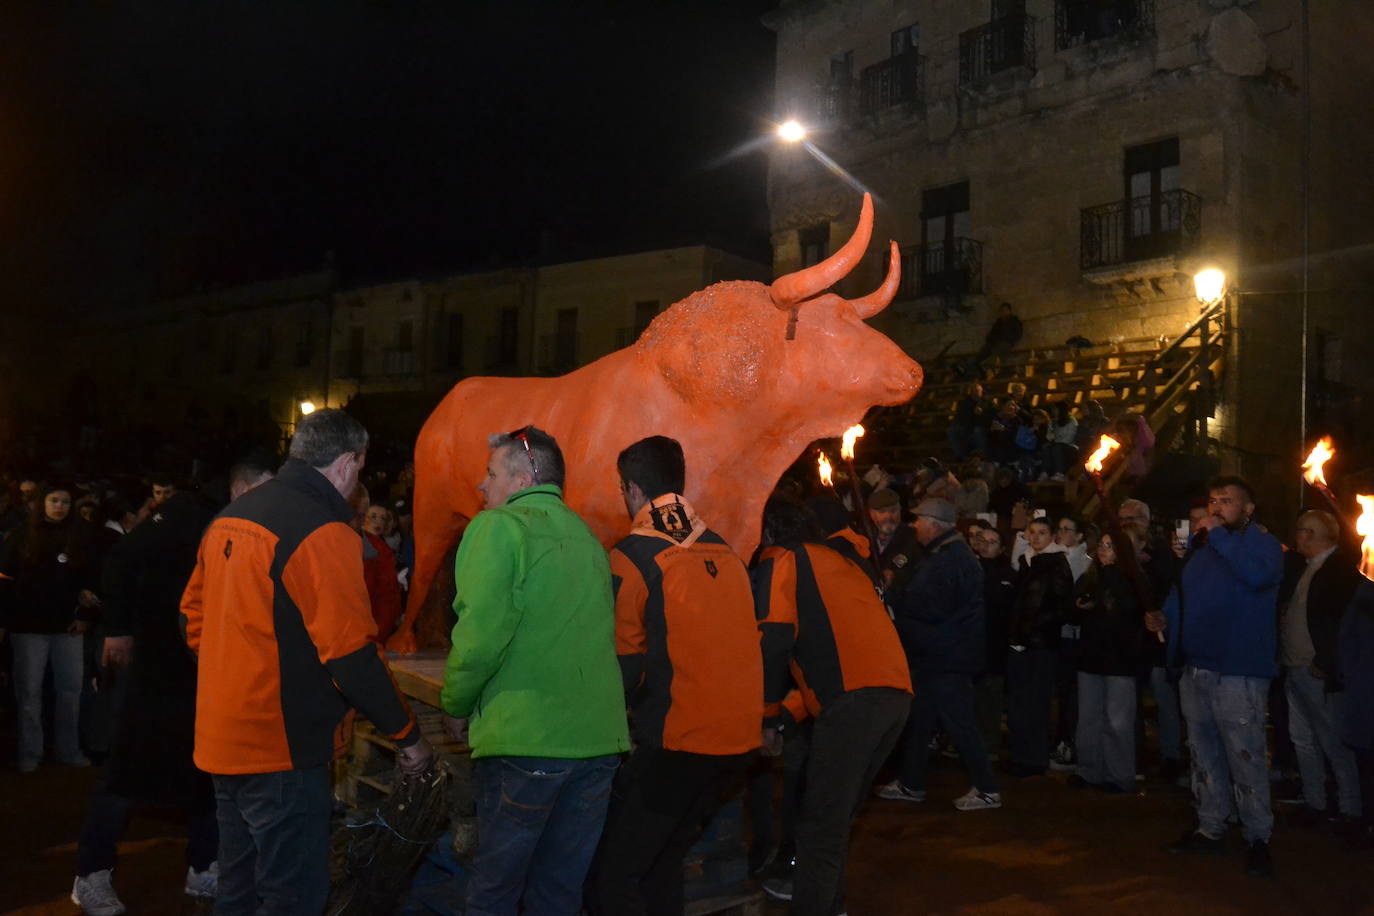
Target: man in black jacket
1312	598
999	596
939	617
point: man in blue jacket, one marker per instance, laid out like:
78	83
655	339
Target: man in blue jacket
939	617
1221	622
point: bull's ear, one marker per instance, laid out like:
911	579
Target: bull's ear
792	288
876	301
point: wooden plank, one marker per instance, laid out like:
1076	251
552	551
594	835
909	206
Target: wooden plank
748	904
420	676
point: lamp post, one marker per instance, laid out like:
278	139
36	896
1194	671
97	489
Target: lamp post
792	131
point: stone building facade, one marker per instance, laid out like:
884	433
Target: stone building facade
241	362
1082	159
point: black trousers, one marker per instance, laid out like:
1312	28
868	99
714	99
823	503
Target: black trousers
107	817
1030	688
849	743
659	803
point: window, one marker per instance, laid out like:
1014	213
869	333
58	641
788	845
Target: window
405	336
305	343
905	40
565	340
355	353
815	243
229	355
265	348
453	340
944	214
644	314
1154	215
841	68
509	338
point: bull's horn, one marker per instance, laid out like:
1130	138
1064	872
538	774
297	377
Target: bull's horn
877	300
794	287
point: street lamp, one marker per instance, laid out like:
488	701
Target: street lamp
307	408
1209	285
792	131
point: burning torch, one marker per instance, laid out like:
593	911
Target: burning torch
851	436
1364	527
1125	550
1314	470
824	470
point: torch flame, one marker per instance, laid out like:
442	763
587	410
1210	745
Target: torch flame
1364	526
1314	468
850	435
823	464
1105	447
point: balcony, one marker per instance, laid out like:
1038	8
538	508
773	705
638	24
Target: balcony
1003	44
1080	22
398	362
949	269
1162	225
896	81
833	103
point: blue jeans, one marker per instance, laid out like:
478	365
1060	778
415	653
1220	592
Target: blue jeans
948	697
273	843
1313	717
538	822
1105	740
1226	716
33	652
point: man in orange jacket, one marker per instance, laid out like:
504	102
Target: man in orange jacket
278	615
688	647
822	621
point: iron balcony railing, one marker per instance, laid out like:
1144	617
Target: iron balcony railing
1002	44
899	80
833	103
1139	229
953	268
1079	22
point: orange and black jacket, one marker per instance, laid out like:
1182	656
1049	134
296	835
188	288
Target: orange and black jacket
278	615
685	635
821	619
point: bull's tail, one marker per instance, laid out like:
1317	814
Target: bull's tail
437	525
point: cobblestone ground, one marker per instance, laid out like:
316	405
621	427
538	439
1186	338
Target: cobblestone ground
1051	849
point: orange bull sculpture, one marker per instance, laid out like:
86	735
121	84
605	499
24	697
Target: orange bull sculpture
743	374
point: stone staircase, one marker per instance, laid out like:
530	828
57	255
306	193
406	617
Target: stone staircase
1171	381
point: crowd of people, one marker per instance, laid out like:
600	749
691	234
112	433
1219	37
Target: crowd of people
612	699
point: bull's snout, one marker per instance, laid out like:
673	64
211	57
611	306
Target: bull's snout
902	382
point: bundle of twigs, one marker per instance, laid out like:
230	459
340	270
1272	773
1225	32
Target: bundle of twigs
374	860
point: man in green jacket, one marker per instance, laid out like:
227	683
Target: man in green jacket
533	667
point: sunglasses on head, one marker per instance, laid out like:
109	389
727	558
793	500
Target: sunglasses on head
522	434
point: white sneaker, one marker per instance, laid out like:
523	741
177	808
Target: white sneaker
95	895
203	884
973	800
895	791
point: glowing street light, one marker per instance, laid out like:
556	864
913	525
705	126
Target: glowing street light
792	131
307	408
1209	285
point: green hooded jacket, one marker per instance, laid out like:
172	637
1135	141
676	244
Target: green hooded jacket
533	662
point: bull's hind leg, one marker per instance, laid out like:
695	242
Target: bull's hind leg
428	616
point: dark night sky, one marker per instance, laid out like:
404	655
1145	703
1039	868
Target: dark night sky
153	148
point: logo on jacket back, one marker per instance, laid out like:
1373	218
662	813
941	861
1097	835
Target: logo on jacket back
671	519
711	568
228	548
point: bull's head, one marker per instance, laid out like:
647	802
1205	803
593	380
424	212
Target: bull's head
787	349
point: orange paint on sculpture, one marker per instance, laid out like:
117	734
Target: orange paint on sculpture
717	371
